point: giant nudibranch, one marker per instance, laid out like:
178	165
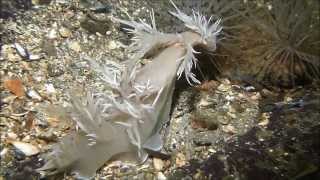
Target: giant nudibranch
128	120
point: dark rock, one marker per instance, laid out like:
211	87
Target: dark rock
93	26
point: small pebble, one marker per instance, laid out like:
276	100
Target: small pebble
26	148
3	152
75	46
34	57
158	164
12	136
229	129
34	95
52	34
55	70
21	50
180	160
161	176
50	88
112	45
64	32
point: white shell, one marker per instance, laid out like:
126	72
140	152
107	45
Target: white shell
21	51
26	148
34	95
34	57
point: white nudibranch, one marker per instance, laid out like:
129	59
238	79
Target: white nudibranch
127	120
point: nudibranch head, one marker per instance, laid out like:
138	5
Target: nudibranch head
206	28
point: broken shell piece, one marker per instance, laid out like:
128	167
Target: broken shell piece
33	57
50	88
34	95
21	50
26	148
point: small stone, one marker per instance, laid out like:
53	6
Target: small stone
198	149
204	103
14	57
202	141
27	148
223	120
232	109
212	150
108	32
34	57
50	88
112	45
15	86
264	119
47	136
3	152
266	93
55	70
226	81
100	7
21	50
161	176
198	123
12	136
8	99
27	138
223	87
158	164
250	88
75	46
93	26
48	47
229	129
288	99
35	2
10	53
40	2
256	96
232	115
64	32
145	61
34	95
52	34
180	160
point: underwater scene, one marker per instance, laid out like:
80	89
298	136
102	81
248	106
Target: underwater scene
160	89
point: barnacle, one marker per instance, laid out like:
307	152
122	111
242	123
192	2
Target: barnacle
288	46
